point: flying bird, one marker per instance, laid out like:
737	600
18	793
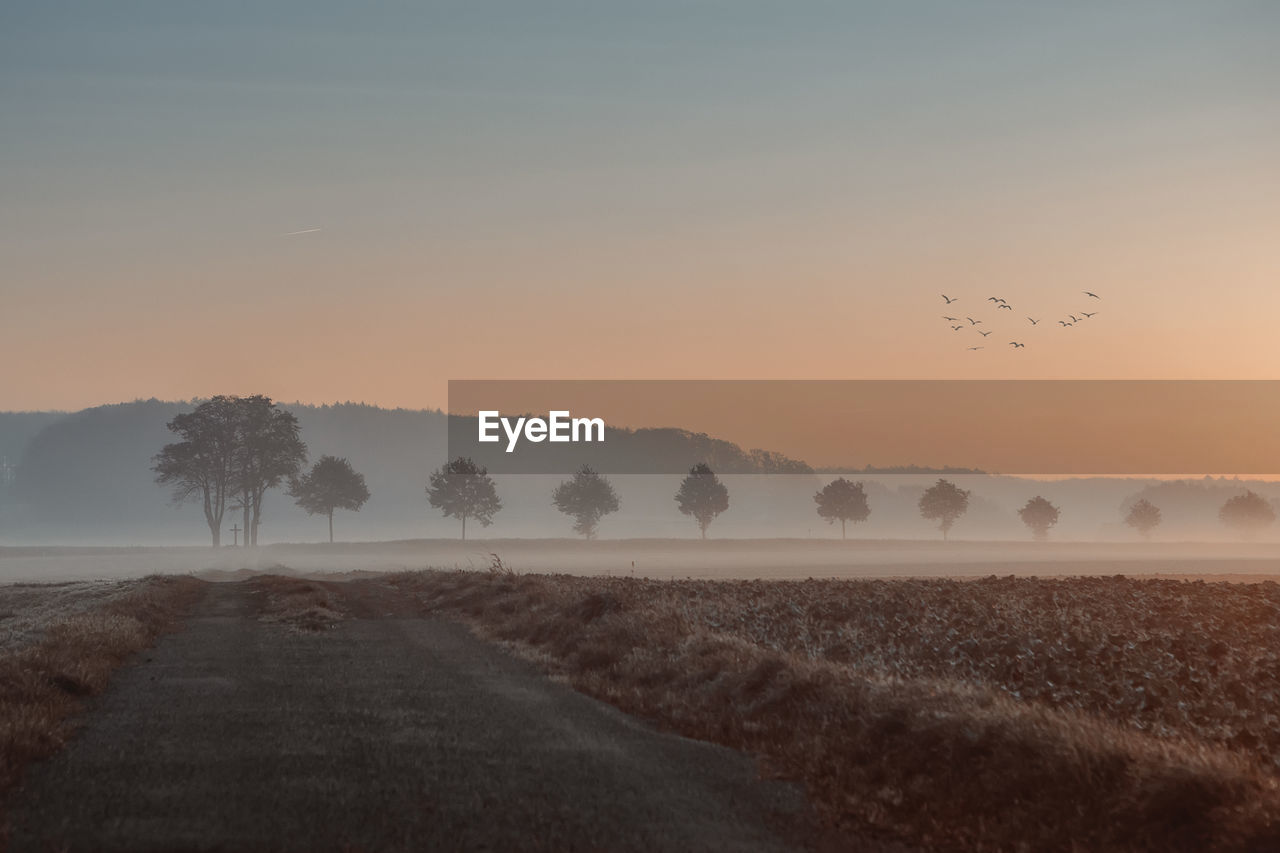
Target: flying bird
1074	318
1065	323
949	299
984	334
973	322
1016	344
971	349
994	299
958	328
303	231
951	319
1005	306
1087	314
1090	293
1033	322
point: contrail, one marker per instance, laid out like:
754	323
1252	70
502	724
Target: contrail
303	231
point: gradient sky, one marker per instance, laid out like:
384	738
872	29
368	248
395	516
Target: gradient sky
650	190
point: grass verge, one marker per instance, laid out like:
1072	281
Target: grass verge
946	763
43	685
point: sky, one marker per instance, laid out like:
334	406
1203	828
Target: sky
659	190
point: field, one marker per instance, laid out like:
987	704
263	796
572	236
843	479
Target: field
663	558
997	713
963	713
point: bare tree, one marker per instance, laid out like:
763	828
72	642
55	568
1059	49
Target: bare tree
1039	515
843	501
461	489
588	497
944	502
202	465
702	496
330	484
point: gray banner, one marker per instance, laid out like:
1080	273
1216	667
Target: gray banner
1048	428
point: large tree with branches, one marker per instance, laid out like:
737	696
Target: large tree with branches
269	451
201	465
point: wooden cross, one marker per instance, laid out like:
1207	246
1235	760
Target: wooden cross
236	531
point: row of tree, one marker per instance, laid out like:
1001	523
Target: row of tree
945	503
232	450
461	489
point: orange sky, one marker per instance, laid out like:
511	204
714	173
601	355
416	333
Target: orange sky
670	198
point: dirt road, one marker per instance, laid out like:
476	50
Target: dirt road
387	731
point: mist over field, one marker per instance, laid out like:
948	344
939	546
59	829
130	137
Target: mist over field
85	478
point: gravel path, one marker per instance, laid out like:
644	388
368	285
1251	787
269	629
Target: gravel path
386	732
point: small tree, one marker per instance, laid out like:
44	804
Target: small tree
1144	517
703	496
462	489
330	484
588	497
1248	514
1039	515
944	502
843	501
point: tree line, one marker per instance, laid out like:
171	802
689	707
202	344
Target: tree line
232	450
461	489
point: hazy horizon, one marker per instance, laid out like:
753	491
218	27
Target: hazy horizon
865	434
89	480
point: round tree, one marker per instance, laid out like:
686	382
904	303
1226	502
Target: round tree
1248	514
702	496
1039	515
1144	517
587	498
944	502
462	489
843	501
330	484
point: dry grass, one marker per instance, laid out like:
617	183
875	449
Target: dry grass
954	715
28	609
298	603
42	684
1164	657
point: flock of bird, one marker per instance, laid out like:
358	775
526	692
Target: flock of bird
958	324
